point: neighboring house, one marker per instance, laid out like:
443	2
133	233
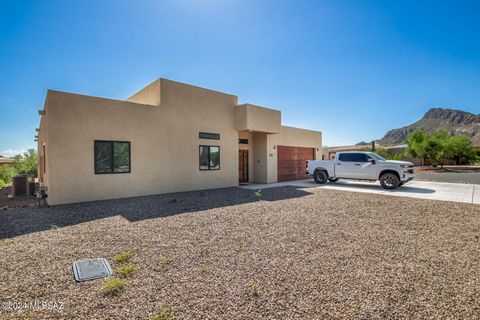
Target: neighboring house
5	161
329	152
168	137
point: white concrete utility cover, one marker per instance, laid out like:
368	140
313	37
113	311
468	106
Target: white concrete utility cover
90	269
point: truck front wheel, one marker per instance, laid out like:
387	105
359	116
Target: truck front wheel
389	180
320	177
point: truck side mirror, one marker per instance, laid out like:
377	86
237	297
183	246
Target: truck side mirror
372	161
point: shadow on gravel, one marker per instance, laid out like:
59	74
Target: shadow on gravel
16	222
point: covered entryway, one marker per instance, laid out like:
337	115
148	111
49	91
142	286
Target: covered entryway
242	166
291	162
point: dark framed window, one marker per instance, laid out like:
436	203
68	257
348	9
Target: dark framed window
209	135
209	157
242	141
353	157
112	157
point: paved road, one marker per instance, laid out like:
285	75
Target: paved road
456	192
463	177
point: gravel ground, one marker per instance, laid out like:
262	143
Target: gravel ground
458	177
295	254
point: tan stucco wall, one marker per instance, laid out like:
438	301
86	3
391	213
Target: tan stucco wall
293	137
148	95
260	157
42	140
254	118
164	143
163	131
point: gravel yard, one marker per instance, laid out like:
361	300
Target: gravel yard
224	254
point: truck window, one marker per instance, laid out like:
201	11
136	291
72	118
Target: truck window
353	157
347	157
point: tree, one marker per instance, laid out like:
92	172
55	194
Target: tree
460	149
6	174
26	164
435	147
417	144
389	155
439	146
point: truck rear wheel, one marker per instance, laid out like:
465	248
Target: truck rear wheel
320	177
389	180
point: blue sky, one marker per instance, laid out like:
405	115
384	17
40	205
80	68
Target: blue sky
351	69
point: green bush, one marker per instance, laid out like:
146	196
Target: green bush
6	174
26	164
388	155
439	146
126	270
123	257
113	286
166	312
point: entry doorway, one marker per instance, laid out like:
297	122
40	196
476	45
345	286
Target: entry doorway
242	166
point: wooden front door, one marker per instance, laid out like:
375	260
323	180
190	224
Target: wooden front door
242	166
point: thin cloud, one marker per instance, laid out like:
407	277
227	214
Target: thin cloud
12	152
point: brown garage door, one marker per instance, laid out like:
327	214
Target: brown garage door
291	162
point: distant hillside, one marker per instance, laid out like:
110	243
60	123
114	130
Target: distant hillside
363	143
456	122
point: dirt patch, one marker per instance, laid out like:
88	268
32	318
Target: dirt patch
452	169
226	254
16	202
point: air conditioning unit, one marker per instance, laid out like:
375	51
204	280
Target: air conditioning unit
23	185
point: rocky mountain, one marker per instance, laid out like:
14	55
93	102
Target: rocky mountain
454	121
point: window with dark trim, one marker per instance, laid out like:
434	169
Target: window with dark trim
209	135
112	157
242	141
209	157
353	157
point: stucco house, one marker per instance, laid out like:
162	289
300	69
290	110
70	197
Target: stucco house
167	137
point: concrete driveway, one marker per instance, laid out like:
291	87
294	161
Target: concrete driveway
456	192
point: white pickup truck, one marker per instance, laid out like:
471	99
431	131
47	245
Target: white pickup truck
361	166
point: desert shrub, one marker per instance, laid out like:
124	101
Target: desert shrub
126	270
165	262
123	257
113	286
6	174
255	290
389	155
166	312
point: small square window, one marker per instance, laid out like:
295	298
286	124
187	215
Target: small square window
209	157
112	157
